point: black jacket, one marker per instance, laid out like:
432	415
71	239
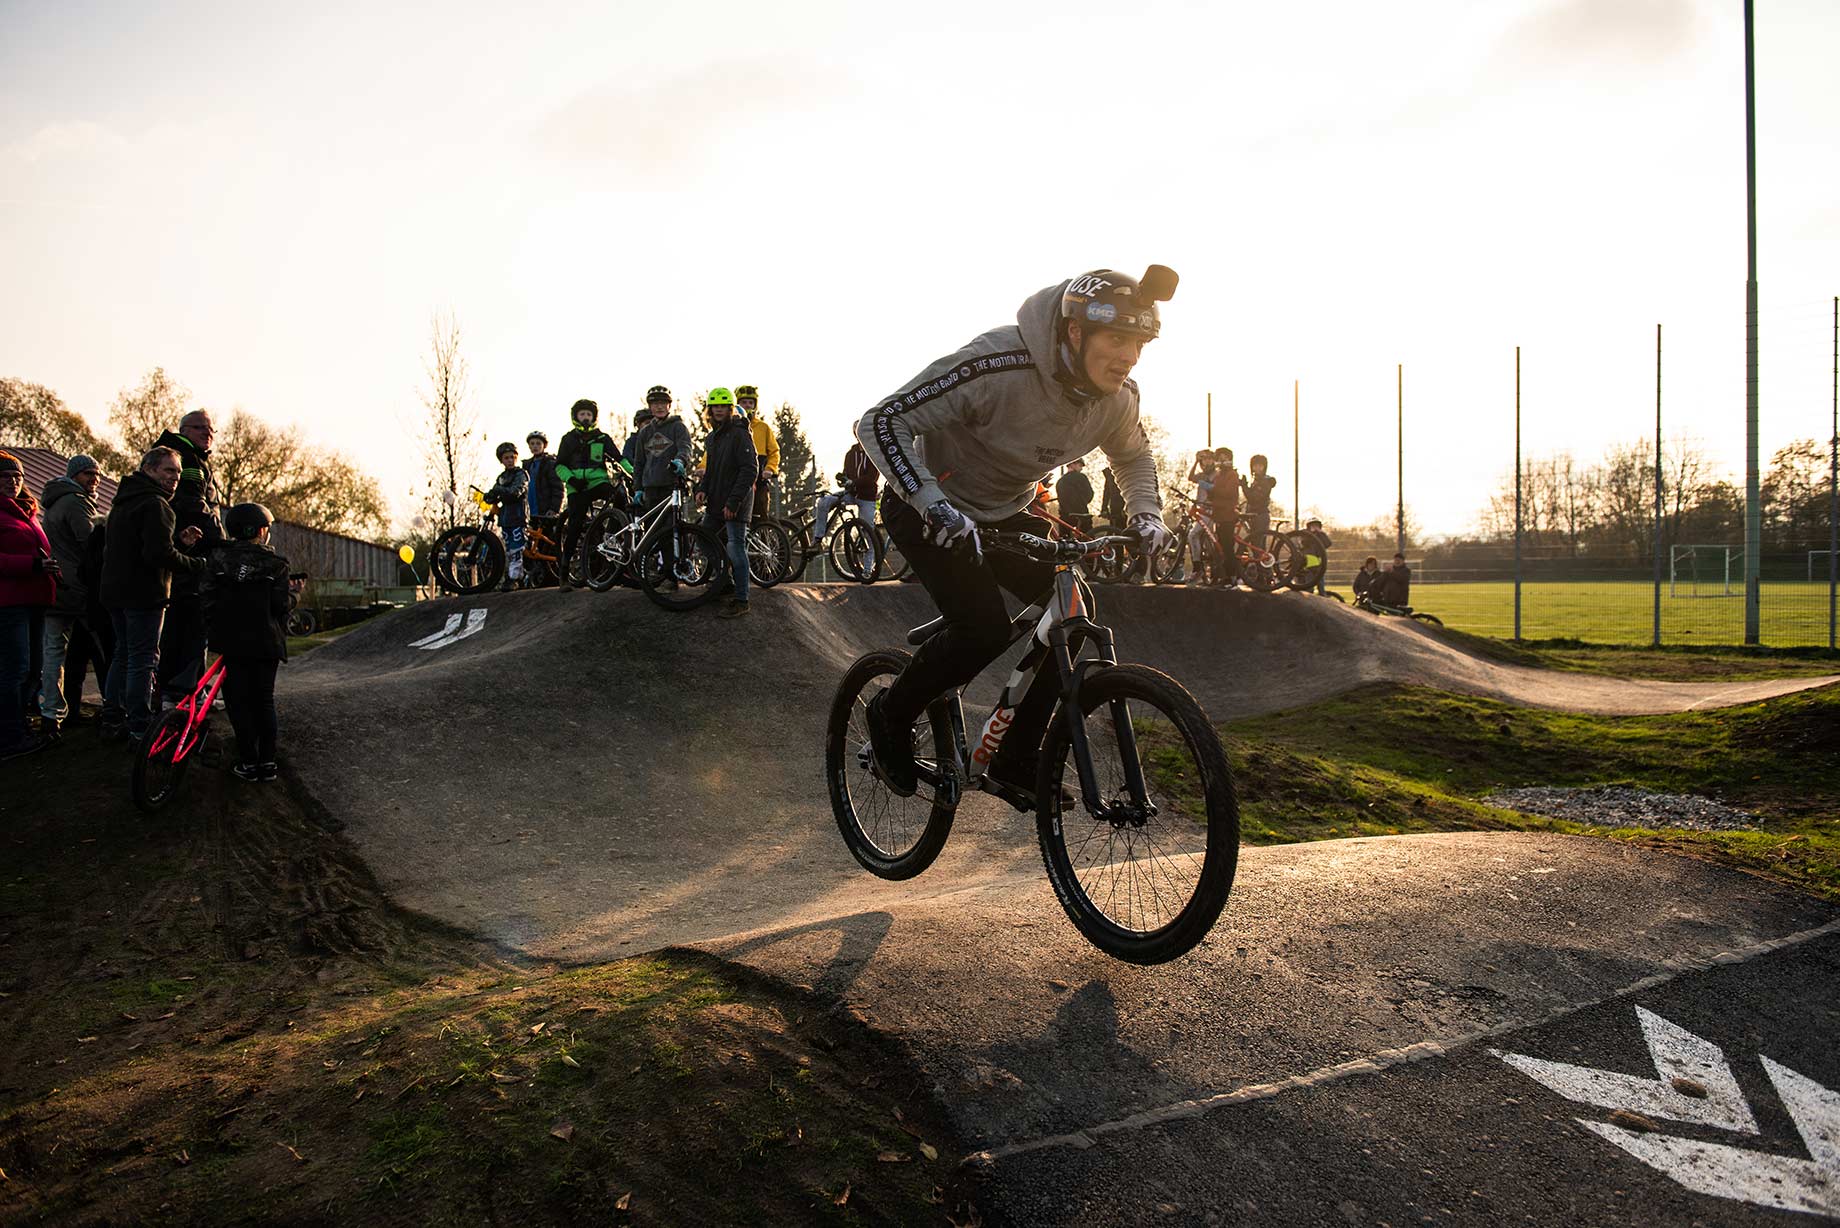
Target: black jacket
730	466
139	559
583	457
1258	490
245	589
545	485
508	495
1075	492
1393	586
196	502
1365	581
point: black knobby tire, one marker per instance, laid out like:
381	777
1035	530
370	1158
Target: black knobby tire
1303	573
769	552
1166	565
852	551
1141	892
157	775
600	569
700	571
1431	619
1264	573
468	559
302	620
799	536
890	836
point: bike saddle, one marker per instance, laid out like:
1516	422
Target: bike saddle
926	631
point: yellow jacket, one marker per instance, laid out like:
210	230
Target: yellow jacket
766	443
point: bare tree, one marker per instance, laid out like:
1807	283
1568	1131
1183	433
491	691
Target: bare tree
451	436
141	414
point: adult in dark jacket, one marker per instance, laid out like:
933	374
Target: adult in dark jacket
581	462
1075	493
70	517
246	590
28	584
546	490
195	504
1394	587
730	469
1366	579
660	456
138	565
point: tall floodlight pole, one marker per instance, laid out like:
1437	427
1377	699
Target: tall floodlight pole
1296	460
1517	494
1400	522
1833	487
1753	494
1210	420
1657	635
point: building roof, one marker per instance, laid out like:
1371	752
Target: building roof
42	465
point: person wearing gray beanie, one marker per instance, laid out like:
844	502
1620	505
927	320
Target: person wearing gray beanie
80	464
72	643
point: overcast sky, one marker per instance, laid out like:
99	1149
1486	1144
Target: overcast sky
821	198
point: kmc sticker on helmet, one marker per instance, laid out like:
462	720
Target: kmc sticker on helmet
1101	313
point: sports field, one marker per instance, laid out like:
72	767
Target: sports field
1794	615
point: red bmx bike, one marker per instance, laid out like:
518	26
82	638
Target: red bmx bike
160	759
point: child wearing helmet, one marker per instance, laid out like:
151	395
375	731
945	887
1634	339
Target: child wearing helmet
581	461
1258	490
508	494
246	591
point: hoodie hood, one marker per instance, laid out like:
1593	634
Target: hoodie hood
137	487
1039	319
181	445
60	488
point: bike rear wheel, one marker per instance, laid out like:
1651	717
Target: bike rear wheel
468	560
160	760
853	553
1142	886
698	574
604	555
890	836
802	550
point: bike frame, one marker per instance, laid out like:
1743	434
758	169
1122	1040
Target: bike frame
1062	625
197	709
648	528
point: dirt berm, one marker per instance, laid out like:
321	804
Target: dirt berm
586	776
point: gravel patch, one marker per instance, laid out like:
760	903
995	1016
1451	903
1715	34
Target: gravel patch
1621	806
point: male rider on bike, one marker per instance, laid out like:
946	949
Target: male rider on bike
581	462
963	447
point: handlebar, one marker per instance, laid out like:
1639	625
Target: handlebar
1044	550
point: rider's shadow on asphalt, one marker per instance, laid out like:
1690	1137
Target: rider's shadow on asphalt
860	936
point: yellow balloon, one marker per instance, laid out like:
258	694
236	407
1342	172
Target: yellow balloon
406	553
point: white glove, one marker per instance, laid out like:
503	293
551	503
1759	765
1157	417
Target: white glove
1150	527
948	527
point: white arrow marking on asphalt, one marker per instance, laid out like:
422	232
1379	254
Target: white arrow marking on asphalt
1782	1182
475	620
1677	1053
453	623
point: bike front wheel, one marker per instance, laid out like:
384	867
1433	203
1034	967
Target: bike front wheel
853	551
160	760
695	575
605	551
469	560
1166	565
890	836
1143	878
769	552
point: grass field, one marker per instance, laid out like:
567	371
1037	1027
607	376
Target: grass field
1622	612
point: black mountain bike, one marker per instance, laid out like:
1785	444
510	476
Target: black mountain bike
1144	860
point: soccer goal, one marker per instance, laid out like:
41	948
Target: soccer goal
1705	571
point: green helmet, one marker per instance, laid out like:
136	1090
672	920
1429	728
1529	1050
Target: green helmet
719	396
746	390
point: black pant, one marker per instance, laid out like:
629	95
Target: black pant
667	545
85	653
575	520
249	693
182	646
977	624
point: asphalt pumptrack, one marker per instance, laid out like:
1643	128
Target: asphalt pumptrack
1464	1028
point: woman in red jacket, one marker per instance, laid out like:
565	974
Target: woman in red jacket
28	584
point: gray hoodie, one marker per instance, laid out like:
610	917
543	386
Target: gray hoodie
69	517
981	427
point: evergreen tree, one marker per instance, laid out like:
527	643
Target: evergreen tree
798	467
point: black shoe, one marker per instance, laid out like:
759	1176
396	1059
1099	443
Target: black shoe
734	609
891	752
245	771
269	771
48	729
